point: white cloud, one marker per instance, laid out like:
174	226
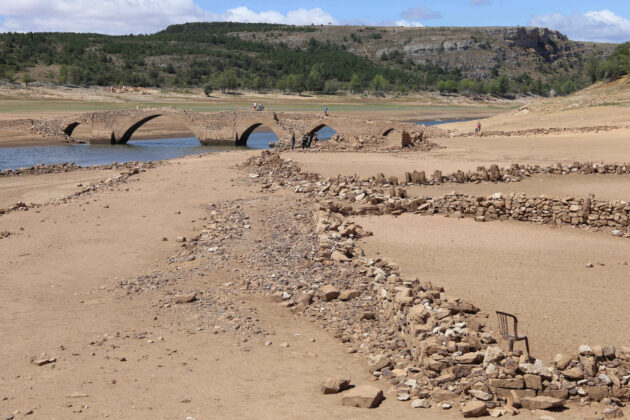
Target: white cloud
601	26
133	16
293	17
407	23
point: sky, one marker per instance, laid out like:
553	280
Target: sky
581	20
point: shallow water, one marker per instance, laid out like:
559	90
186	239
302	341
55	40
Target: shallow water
430	123
134	150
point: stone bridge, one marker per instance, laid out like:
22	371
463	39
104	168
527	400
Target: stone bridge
219	128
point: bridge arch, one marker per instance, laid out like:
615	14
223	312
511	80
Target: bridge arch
70	128
387	131
241	140
129	132
318	127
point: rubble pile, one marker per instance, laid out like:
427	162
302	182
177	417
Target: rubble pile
124	176
380	195
426	346
416	141
515	173
55	168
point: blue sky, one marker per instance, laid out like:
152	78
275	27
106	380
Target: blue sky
607	20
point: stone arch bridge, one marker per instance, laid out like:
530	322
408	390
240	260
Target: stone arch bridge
219	128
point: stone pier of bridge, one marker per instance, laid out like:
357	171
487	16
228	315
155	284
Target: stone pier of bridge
218	128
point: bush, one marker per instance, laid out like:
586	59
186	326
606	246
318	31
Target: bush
208	88
332	86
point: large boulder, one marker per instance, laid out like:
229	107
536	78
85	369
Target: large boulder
334	385
474	409
328	292
364	396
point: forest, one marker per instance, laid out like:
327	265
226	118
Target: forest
208	55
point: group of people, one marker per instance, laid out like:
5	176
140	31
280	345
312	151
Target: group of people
307	140
258	107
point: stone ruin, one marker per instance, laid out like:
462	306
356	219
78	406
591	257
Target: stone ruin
443	354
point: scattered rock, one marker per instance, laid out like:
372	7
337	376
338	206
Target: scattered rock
540	403
364	396
188	298
420	403
378	362
334	385
328	292
474	409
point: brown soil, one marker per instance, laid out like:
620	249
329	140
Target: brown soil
62	265
536	272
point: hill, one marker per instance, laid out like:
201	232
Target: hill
497	60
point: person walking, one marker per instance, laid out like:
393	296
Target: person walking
325	110
255	108
304	141
292	141
479	127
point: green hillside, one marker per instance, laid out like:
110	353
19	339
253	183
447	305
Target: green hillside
230	56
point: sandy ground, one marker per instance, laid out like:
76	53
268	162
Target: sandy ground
61	265
536	272
56	298
470	152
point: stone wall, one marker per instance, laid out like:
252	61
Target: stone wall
449	357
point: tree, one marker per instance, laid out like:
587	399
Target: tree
379	84
259	84
63	74
10	75
26	78
208	88
282	85
295	83
593	68
355	83
332	86
228	81
314	81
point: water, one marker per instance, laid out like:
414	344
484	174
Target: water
134	150
430	123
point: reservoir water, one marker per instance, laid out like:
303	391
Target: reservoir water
136	150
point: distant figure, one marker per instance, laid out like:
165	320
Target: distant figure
325	110
292	141
478	130
304	141
315	138
255	107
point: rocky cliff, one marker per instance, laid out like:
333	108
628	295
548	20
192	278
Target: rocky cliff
476	51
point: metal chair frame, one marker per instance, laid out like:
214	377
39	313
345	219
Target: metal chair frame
504	329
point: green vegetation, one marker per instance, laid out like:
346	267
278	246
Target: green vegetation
214	56
615	66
